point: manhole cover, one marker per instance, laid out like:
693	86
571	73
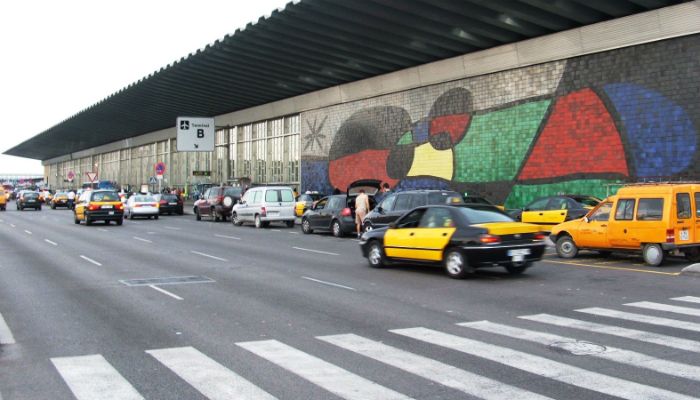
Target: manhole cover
172	280
578	348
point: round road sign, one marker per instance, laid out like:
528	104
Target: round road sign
160	168
71	175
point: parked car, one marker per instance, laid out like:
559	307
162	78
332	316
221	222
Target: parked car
553	210
264	204
98	205
461	238
60	199
28	199
394	205
169	204
305	200
141	205
217	202
330	213
652	219
3	199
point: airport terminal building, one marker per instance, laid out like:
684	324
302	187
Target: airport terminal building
511	100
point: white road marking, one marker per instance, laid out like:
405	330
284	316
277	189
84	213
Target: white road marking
228	237
578	347
293	233
646	319
328	283
642	336
92	377
142	239
444	374
336	380
5	332
173	228
165	292
665	307
689	299
13	225
209	377
50	242
316	251
102	230
208	255
90	260
27	232
275	230
541	366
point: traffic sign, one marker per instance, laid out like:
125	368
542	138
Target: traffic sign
152	180
92	176
195	134
160	168
71	176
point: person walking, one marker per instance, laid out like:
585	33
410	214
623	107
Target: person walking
361	210
71	199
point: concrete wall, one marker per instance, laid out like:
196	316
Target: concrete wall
582	124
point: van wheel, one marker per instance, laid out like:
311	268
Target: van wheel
258	222
337	230
566	248
306	226
456	265
693	254
198	216
235	220
653	254
375	255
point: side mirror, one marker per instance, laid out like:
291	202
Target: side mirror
392	225
380	210
586	220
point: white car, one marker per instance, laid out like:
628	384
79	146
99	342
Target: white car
140	205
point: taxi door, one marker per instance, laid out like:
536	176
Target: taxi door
80	206
594	233
425	241
545	212
399	239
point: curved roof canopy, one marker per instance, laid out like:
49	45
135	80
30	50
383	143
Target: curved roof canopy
311	45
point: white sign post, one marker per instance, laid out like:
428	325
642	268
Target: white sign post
195	134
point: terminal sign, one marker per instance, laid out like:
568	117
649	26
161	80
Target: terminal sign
195	134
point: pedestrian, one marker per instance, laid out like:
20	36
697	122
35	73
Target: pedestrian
336	191
386	188
294	192
361	210
71	199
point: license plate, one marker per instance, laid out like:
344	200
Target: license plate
173	204
518	252
684	235
107	207
111	213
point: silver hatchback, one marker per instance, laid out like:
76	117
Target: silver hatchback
264	204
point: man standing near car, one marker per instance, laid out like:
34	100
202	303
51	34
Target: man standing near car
71	199
361	210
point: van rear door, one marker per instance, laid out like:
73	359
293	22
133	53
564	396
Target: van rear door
683	224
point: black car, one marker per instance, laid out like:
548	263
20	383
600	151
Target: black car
332	214
169	204
394	205
461	238
28	199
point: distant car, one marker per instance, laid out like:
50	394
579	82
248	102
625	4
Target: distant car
304	201
141	205
169	204
394	205
553	210
330	213
217	202
3	199
264	204
98	205
461	238
28	199
60	199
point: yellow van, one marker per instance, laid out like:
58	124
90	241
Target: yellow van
657	219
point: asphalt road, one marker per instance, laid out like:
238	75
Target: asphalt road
280	314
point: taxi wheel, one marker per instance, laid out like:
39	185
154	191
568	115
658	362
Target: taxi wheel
456	265
653	254
518	269
88	221
375	255
198	216
337	230
120	221
76	220
566	248
155	216
306	226
235	220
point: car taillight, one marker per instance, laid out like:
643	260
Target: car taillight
156	205
263	212
119	206
539	236
670	236
489	239
346	212
93	207
163	201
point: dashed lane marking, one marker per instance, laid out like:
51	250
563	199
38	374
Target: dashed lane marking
27	232
51	242
329	283
165	292
209	255
227	237
142	239
5	332
88	259
316	251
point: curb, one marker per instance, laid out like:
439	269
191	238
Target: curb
692	269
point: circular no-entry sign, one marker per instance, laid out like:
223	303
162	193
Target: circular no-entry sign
160	168
71	175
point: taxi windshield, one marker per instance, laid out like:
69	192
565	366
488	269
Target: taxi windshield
105	196
484	214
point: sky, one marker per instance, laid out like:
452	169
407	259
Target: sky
60	57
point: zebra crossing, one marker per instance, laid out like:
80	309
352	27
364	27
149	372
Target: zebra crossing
93	377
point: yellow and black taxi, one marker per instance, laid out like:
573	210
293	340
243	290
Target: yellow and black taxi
304	202
461	238
99	205
60	199
549	211
3	199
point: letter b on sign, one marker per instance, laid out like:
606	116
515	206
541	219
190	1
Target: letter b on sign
200	133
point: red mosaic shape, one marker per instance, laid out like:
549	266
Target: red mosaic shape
367	164
455	125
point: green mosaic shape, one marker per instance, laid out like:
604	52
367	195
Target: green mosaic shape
496	144
522	195
407	138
